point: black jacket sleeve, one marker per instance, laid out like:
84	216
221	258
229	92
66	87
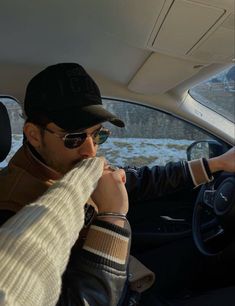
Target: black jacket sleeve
94	279
149	183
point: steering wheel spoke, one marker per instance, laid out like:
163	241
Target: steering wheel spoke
216	232
214	213
208	198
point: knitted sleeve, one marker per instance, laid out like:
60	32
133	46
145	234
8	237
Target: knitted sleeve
35	244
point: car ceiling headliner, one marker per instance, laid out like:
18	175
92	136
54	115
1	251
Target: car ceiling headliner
124	42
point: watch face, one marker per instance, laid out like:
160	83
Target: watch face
89	214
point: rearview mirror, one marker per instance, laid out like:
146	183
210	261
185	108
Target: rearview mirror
205	148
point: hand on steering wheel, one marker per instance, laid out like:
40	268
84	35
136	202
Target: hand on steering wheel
218	199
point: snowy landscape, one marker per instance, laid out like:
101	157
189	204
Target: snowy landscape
130	151
143	151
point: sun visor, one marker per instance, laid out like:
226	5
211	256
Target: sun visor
161	73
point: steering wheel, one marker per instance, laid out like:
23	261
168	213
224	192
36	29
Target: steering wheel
215	203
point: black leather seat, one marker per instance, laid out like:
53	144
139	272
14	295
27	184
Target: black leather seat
5	132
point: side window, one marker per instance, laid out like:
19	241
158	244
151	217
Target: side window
14	112
218	93
150	136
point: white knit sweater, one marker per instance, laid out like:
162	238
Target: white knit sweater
35	244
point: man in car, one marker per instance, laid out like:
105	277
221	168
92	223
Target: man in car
64	125
102	267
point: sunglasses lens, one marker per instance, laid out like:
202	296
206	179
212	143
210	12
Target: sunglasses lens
74	140
101	136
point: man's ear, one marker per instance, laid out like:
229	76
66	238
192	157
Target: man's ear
33	134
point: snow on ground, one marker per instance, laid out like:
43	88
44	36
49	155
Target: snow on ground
143	151
130	151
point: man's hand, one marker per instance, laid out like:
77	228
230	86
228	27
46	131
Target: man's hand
224	162
110	194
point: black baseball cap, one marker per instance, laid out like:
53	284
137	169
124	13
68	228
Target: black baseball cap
68	96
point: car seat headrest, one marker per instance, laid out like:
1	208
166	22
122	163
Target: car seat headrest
5	132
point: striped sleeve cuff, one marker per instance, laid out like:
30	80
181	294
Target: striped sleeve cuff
199	173
107	244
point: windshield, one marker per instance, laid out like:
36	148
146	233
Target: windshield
218	93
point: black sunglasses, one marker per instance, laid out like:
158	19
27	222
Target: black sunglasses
75	140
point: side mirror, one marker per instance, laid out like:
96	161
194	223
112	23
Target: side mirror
205	148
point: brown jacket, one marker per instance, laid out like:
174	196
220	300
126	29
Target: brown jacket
23	170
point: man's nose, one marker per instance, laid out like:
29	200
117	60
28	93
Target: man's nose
88	148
